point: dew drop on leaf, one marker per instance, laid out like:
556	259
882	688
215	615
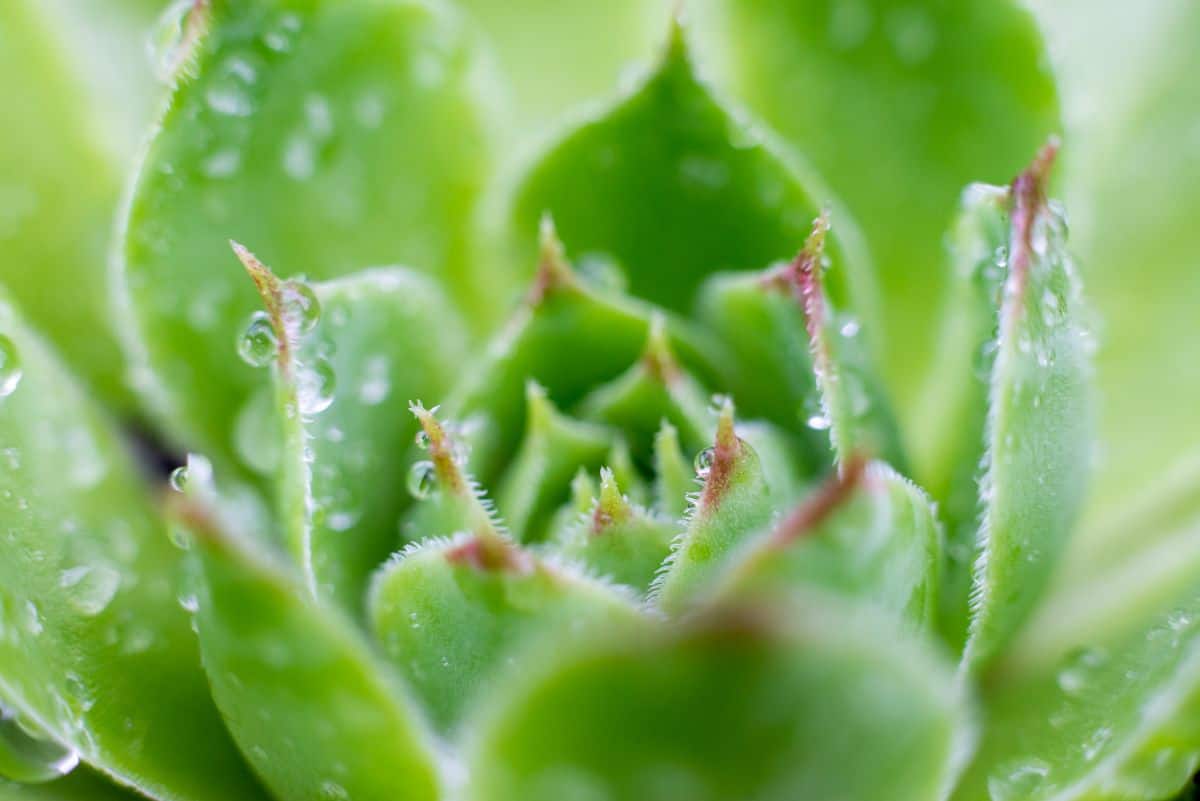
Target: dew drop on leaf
89	588
422	440
315	386
1078	669
818	422
704	462
301	308
422	477
1018	781
178	478
258	344
28	758
10	367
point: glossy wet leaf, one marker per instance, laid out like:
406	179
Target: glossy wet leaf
304	133
96	651
81	785
734	503
453	615
383	337
1117	719
312	708
826	706
867	533
1038	431
939	93
676	189
54	227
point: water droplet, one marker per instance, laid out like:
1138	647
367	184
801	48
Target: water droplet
222	164
422	440
178	478
818	422
279	36
301	309
1018	781
1094	744
422	478
90	588
704	462
28	758
1078	669
10	367
258	344
315	386
166	38
850	328
332	791
229	99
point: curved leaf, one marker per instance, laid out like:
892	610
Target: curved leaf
668	184
809	700
94	649
1038	435
939	93
306	700
302	128
81	785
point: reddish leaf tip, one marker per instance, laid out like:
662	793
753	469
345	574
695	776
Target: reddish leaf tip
819	505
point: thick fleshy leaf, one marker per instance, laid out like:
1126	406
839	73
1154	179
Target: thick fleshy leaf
592	46
808	700
81	785
303	130
618	539
569	338
1038	433
312	708
674	475
94	649
949	442
1117	720
378	338
734	503
672	187
866	533
453	614
57	66
939	93
553	448
852	405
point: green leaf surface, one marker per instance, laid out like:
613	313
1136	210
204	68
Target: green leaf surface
898	106
810	700
382	337
302	128
734	503
452	615
668	184
618	539
94	649
81	785
54	227
1038	432
867	533
674	474
312	708
1118	720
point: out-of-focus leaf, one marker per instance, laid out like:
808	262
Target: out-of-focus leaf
96	650
1038	432
307	701
304	130
81	785
1116	720
808	700
452	615
668	184
898	106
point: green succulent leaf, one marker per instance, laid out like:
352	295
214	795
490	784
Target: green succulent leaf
867	533
308	702
674	475
939	93
452	615
820	694
619	539
377	339
80	785
96	651
304	130
554	447
1111	721
734	503
1037	431
668	184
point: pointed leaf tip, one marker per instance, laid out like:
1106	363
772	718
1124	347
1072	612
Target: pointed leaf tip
721	457
612	508
441	449
658	358
553	270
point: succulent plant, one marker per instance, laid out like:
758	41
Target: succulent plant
595	402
